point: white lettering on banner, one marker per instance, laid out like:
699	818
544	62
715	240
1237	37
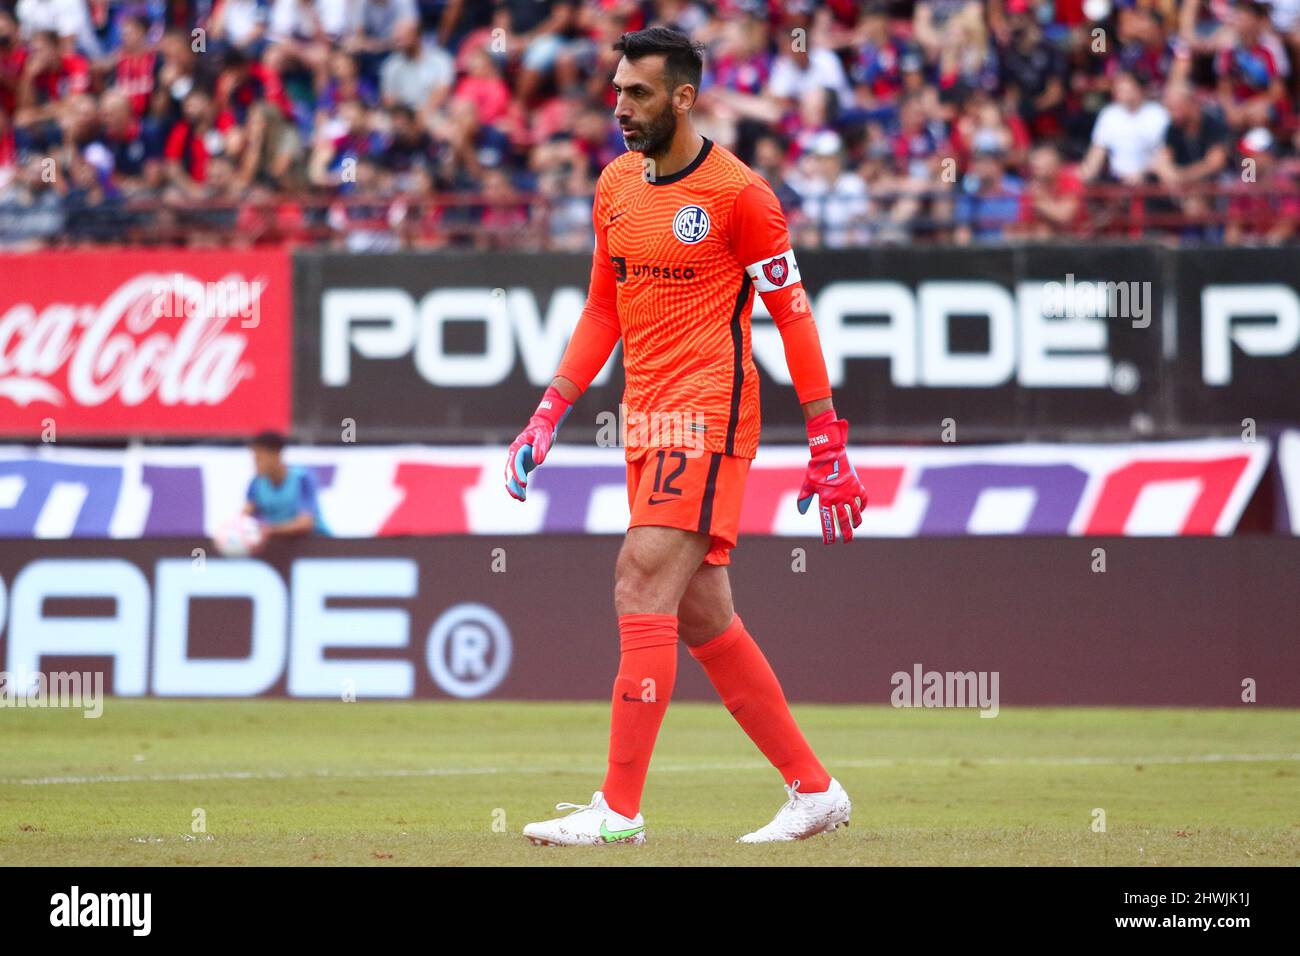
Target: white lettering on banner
341	312
1061	351
389	324
113	349
1027	345
468	653
1024	344
1223	306
940	367
317	628
435	365
123	635
177	674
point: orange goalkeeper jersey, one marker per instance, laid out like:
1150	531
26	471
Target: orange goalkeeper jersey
678	259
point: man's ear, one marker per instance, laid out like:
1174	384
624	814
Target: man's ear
684	97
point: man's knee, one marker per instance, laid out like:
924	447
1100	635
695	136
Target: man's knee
705	610
696	627
654	568
639	586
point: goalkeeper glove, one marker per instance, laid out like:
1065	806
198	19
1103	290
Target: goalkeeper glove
530	448
832	478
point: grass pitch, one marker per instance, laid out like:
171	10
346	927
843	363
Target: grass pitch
447	783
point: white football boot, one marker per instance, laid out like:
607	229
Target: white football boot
592	825
805	815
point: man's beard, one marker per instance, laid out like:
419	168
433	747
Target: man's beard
654	138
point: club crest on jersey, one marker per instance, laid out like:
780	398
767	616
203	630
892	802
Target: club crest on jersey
691	224
776	271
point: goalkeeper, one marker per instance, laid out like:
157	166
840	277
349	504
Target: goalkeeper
686	234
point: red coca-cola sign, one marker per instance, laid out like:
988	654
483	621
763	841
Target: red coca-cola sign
144	343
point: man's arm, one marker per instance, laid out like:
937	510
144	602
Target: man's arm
303	524
589	348
1094	162
597	331
761	243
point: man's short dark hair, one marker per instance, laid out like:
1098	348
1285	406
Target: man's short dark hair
271	441
684	59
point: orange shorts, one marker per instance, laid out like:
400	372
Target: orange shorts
681	488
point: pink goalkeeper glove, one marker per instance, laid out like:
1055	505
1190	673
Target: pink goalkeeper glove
832	478
530	448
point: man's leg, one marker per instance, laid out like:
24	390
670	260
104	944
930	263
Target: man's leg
716	637
653	569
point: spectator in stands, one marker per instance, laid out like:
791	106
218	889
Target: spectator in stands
300	44
1127	136
877	72
982	114
340	145
120	139
134	65
304	106
834	200
798	70
1144	48
966	58
69	20
504	214
12	56
177	76
416	74
408	144
1269	213
1196	142
562	177
345	83
268	149
1032	73
473	146
240	24
769	156
735	84
30	208
192	142
989	199
375	33
1250	71
484	87
931	17
51	75
1052	202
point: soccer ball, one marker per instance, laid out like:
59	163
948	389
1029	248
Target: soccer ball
238	537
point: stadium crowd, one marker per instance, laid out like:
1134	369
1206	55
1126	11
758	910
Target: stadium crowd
380	124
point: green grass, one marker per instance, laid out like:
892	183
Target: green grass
301	783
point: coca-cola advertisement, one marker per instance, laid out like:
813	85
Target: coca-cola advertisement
140	343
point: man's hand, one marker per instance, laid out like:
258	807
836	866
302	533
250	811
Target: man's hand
530	448
832	478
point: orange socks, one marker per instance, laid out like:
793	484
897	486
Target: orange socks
751	692
646	672
743	678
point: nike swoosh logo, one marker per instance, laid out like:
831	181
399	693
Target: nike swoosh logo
616	215
613	836
658	501
635	700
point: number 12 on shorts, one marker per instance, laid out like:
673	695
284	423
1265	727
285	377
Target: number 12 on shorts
664	485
